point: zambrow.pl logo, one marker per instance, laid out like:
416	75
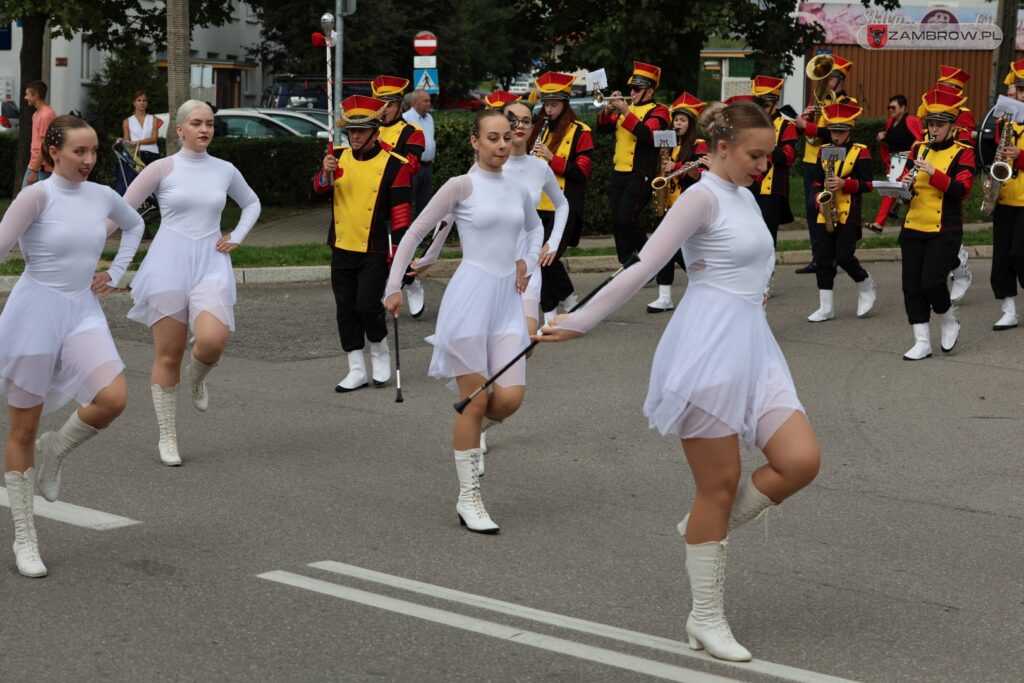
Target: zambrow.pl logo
931	35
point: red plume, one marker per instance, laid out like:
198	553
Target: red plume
319	40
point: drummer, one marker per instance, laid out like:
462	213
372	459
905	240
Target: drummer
902	130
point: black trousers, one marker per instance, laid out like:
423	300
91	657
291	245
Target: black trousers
555	284
1007	250
422	186
628	194
772	207
358	281
814	230
667	275
928	257
837	250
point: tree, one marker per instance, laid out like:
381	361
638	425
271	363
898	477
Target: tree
179	34
128	69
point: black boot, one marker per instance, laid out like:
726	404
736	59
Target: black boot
811	267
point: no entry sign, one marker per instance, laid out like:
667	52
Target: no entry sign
425	43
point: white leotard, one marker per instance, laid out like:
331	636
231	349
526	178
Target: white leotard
62	225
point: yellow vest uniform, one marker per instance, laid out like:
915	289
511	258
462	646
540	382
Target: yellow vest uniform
564	151
843	169
625	141
355	198
811	147
1012	193
925	213
391	134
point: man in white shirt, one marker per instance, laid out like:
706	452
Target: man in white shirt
419	114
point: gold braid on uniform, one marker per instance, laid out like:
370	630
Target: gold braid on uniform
346	120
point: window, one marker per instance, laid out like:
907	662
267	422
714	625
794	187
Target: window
202	76
298	124
741	68
245	127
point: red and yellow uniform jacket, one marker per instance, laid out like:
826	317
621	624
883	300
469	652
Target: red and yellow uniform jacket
937	203
681	182
776	179
573	155
371	193
634	136
405	139
1012	192
855	169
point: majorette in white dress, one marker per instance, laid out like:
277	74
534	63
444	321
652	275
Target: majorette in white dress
717	369
55	345
183	274
480	324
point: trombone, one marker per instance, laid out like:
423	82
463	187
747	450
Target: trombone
600	101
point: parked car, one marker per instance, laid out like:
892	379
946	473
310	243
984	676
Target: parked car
243	123
291	91
580	105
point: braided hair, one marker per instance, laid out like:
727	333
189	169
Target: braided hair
57	134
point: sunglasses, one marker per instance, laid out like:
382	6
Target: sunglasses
516	122
892	108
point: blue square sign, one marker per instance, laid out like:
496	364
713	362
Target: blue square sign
425	79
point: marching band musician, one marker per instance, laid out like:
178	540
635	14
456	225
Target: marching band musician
772	192
1008	218
941	178
499	98
406	139
848	178
902	130
953	80
635	156
568	147
806	124
689	148
372	190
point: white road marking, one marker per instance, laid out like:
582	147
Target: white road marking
73	514
782	671
619	660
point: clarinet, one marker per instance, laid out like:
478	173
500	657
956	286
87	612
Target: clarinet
911	177
540	137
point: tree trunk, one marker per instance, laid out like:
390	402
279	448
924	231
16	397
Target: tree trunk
178	64
31	57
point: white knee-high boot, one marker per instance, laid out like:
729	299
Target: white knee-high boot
165	403
197	372
470	506
706	626
748	505
21	487
1008	321
53	447
826	308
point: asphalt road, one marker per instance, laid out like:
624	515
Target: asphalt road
902	562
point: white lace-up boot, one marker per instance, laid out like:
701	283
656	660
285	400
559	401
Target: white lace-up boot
470	506
380	361
414	290
949	329
165	403
962	278
706	626
20	490
550	315
826	308
748	504
197	372
570	302
922	347
865	296
53	447
356	377
1009	319
663	302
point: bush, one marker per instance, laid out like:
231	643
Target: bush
129	69
279	170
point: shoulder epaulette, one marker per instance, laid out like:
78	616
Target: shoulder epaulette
963	145
582	125
858	145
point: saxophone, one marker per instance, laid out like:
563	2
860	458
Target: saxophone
827	200
660	200
999	172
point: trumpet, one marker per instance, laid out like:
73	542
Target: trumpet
661	181
601	101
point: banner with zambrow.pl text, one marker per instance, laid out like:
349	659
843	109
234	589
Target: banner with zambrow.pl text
909	28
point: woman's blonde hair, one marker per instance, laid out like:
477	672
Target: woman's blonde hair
721	121
186	108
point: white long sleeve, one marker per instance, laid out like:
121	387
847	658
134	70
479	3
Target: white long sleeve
61	226
192	190
724	239
433	252
557	197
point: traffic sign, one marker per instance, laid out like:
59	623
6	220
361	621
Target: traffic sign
425	79
425	43
424	62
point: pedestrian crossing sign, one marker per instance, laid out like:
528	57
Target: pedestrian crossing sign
425	79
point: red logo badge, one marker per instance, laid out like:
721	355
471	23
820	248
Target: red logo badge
878	35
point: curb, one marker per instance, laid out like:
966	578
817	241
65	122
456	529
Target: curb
446	268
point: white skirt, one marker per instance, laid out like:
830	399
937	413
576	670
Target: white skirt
719	371
182	277
54	347
480	327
